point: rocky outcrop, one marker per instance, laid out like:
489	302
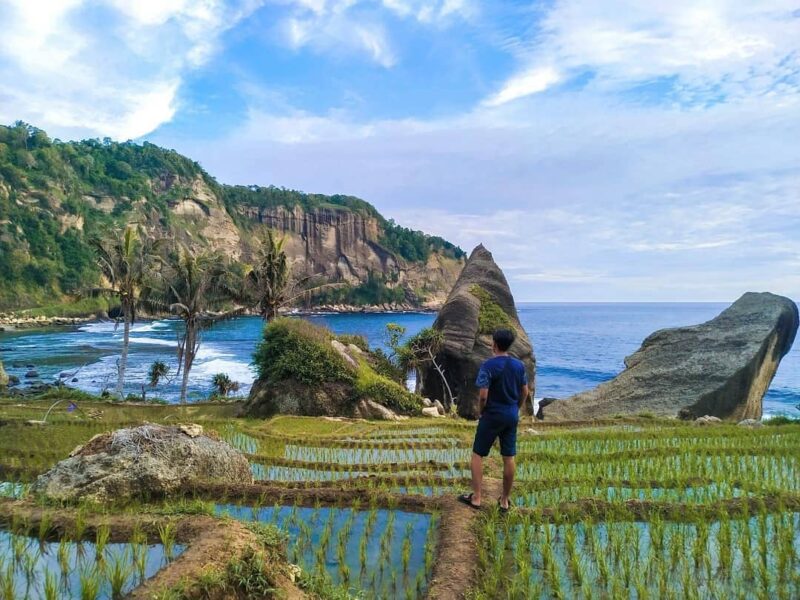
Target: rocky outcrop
721	368
479	303
305	370
142	462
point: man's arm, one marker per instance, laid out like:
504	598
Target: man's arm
524	392
483	396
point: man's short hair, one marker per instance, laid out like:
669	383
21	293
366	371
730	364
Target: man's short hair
503	338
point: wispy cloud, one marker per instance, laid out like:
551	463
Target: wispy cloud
701	52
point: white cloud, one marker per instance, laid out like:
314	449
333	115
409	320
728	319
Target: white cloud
706	50
336	27
119	80
578	196
525	84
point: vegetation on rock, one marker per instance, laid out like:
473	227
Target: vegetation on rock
296	349
491	316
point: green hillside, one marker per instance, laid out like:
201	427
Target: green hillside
48	186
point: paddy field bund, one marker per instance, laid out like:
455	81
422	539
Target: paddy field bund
622	508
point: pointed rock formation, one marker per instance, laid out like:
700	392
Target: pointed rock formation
721	368
479	303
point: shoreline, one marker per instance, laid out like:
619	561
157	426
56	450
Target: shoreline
12	322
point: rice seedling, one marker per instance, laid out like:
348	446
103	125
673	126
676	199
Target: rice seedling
166	534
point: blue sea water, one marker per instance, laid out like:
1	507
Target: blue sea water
577	347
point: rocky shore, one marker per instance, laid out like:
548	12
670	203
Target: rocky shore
372	308
11	321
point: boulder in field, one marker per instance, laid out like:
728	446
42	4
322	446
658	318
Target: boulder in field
142	462
720	368
479	303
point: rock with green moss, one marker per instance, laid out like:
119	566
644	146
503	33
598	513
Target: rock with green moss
304	369
479	303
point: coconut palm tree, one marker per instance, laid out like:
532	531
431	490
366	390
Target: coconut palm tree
267	283
191	285
125	260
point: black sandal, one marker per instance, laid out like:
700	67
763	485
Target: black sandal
503	510
467	499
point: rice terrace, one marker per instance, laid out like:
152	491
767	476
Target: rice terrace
634	507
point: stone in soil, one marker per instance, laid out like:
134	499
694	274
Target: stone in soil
141	462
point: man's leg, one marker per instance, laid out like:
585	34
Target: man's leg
509	467
508	449
477	478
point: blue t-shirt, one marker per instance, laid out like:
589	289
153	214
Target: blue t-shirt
504	376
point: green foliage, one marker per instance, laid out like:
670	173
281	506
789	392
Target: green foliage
55	196
157	371
77	308
357	340
415	245
375	290
297	349
370	384
491	316
223	385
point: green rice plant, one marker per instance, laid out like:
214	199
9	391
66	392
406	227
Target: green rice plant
166	534
102	535
89	583
44	525
119	572
50	585
62	555
7	580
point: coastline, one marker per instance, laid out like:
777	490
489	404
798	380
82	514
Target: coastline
14	322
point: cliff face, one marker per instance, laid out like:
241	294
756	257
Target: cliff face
343	245
54	196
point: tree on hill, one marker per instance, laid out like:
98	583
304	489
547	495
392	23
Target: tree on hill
191	285
267	283
125	260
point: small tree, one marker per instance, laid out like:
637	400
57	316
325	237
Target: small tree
224	385
125	261
157	371
423	349
392	336
267	284
191	285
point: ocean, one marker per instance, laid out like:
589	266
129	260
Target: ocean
577	346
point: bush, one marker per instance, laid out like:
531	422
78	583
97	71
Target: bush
296	349
357	340
384	391
491	316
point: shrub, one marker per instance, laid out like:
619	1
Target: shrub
491	316
296	349
357	340
385	391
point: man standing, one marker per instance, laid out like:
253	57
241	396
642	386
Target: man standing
504	388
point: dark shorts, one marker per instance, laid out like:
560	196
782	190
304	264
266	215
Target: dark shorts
493	426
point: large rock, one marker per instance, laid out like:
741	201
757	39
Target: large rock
720	368
145	461
3	376
480	301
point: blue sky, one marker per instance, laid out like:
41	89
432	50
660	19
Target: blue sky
603	150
